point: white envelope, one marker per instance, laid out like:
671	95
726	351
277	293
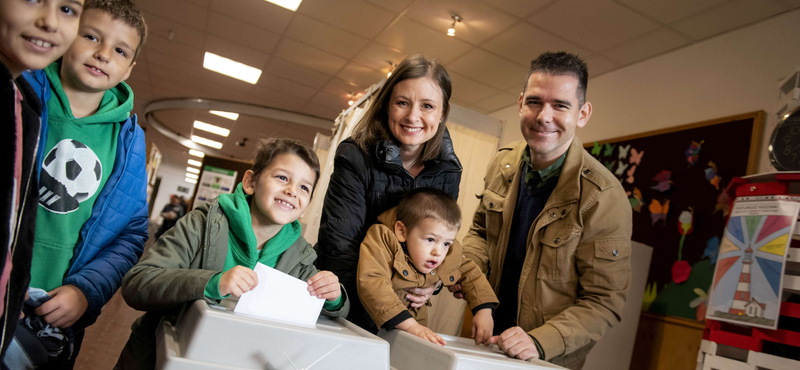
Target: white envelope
280	297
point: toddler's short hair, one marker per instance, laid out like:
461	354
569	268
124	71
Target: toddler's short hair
125	11
276	146
421	203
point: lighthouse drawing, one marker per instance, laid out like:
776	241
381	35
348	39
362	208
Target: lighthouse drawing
742	296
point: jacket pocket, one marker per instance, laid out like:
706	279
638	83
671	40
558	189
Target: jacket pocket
612	268
493	203
558	243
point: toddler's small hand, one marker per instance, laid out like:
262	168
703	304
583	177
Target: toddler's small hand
427	334
482	326
237	281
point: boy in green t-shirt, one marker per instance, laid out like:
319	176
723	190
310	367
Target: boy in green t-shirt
92	215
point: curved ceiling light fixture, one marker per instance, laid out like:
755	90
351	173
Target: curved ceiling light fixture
227	106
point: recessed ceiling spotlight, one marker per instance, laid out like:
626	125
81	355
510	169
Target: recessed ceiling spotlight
192	170
456	19
192	162
350	102
231	68
196	153
206	142
190	180
191	175
229	115
391	69
288	4
211	128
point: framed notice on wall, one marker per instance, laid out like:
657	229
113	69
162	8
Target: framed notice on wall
213	182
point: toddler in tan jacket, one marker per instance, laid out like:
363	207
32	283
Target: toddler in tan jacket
414	246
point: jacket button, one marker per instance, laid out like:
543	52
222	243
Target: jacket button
557	240
587	171
452	279
507	166
405	272
615	253
563	212
509	181
553	214
491	204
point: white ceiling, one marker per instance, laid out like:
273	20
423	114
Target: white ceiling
315	57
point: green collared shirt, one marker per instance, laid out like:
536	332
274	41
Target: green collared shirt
535	179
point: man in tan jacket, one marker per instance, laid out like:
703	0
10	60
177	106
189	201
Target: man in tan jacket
553	226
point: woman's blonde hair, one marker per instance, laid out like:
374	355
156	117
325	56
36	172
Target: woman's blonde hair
374	126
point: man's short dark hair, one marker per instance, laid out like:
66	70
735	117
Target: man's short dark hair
274	147
125	11
421	203
561	63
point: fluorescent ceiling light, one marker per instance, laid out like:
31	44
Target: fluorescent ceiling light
195	163
228	115
211	128
191	181
196	153
231	68
206	142
192	170
288	4
191	175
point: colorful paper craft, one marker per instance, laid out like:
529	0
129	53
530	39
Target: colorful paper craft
712	175
712	249
723	204
636	156
623	151
693	152
630	174
681	269
610	149
621	168
664	182
658	211
596	149
636	200
610	165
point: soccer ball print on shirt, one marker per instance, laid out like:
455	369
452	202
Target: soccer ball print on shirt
70	174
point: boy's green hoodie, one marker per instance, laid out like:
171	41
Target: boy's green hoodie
61	216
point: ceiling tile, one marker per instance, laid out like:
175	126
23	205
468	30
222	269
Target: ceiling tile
176	10
480	20
497	101
286	86
175	49
275	99
672	10
489	69
524	42
241	33
189	80
310	57
357	16
156	59
414	38
239	53
256	12
140	88
324	36
793	3
593	24
519	8
203	3
296	73
362	76
728	16
330	100
157	25
342	88
468	90
394	5
649	45
599	64
317	110
378	56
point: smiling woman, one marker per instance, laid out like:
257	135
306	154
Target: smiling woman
400	144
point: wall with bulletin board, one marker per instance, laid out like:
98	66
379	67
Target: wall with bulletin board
675	179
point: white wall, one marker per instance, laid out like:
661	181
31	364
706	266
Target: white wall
171	179
734	73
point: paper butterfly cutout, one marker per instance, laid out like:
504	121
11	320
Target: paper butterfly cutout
630	174
658	211
636	200
621	169
623	151
693	152
664	182
609	149
610	165
596	149
712	175
636	156
723	204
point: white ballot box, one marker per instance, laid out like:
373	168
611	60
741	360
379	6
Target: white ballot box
410	352
214	337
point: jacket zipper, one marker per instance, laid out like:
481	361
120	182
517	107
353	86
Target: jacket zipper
16	233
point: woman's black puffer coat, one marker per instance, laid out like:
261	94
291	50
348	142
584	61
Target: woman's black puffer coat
362	186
